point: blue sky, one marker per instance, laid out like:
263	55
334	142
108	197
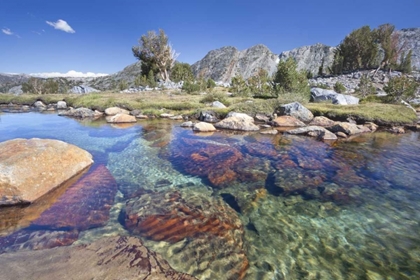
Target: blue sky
100	34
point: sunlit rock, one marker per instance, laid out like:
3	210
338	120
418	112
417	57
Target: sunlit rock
30	168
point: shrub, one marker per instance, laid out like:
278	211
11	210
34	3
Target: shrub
365	87
181	72
191	87
211	84
401	88
122	85
339	87
240	87
219	96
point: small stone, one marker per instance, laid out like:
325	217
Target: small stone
270	132
166	115
203	127
187	124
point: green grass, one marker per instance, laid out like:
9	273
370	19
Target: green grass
382	114
155	103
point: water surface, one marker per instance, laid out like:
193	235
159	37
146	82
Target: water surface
232	205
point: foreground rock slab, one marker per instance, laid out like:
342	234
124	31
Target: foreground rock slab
30	168
108	258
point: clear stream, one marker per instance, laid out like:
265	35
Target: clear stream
307	209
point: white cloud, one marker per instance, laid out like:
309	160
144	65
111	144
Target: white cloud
61	25
69	74
7	31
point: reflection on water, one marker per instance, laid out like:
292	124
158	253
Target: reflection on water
232	205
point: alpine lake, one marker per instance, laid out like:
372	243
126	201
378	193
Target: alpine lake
229	205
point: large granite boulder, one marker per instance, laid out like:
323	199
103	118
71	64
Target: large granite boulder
296	110
238	123
327	95
343	99
30	168
107	258
322	95
314	131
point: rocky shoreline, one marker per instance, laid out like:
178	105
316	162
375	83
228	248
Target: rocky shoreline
288	116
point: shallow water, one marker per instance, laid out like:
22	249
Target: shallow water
234	205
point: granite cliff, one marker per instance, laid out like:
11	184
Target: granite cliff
225	63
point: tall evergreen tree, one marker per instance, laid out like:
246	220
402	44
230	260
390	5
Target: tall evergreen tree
155	52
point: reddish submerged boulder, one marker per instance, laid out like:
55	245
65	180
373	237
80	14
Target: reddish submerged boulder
208	223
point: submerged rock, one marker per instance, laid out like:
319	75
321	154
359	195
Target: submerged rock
293	181
30	168
205	231
209	160
84	205
107	258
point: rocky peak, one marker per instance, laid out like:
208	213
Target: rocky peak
410	39
310	58
225	63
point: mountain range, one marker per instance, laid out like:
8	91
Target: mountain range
225	63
